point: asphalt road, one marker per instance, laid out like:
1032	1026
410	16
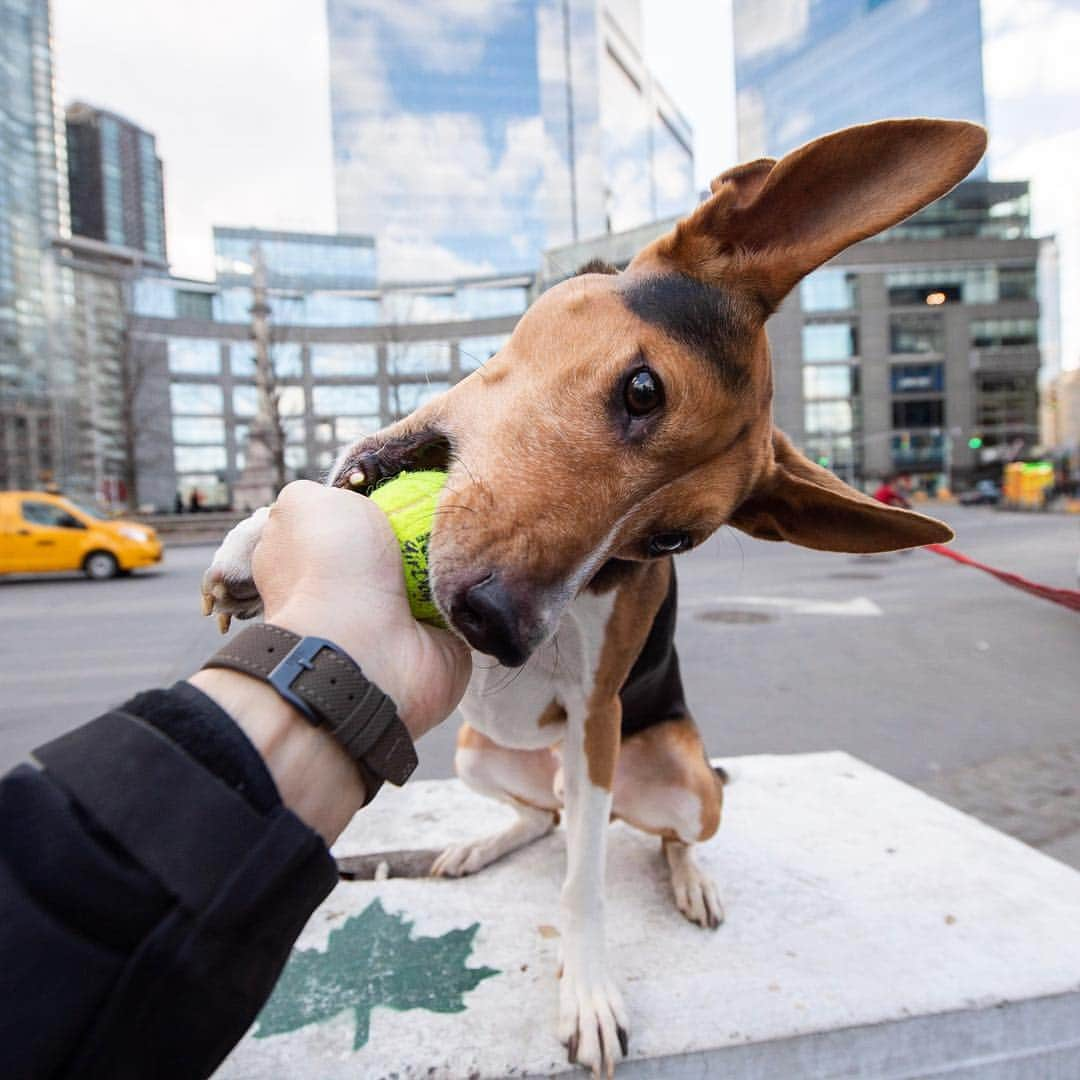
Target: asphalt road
917	665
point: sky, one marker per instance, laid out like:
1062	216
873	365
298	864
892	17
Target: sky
237	93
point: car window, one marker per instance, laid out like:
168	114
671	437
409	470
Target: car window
42	513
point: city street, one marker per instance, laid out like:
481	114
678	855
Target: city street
932	671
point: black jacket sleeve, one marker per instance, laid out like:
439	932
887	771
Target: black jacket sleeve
151	887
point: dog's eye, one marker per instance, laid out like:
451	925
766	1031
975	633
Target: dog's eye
668	543
643	393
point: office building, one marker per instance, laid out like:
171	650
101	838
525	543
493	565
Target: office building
346	360
114	181
803	69
469	138
36	383
294	260
916	351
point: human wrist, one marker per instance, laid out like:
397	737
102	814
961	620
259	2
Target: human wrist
373	645
314	775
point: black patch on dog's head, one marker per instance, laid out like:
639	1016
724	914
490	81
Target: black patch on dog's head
704	317
596	266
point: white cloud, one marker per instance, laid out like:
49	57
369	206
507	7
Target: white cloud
448	36
237	95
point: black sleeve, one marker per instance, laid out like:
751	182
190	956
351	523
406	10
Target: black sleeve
151	887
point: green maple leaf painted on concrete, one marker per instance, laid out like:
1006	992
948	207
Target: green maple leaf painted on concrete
372	959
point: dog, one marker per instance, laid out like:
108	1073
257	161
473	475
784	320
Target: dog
627	419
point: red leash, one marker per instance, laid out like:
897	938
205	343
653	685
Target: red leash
1070	598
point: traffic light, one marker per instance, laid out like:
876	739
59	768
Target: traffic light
975	442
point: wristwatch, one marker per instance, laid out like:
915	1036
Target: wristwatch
327	686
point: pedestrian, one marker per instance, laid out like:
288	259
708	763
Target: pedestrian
178	504
889	493
194	500
159	862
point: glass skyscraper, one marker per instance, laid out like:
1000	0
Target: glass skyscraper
807	67
33	211
115	181
469	138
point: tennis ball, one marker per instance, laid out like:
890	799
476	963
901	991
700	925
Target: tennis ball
409	501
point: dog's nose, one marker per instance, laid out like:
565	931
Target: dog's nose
487	616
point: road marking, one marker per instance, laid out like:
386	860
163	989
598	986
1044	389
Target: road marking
801	605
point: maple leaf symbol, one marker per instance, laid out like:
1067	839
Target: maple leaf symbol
372	959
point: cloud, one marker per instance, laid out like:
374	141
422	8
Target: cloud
236	94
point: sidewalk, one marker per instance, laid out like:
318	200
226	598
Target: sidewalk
1034	796
871	931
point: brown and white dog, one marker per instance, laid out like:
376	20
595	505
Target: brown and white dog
628	418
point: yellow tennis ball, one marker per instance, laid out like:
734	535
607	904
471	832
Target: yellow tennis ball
409	501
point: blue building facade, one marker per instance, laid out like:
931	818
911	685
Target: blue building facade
807	67
37	381
468	139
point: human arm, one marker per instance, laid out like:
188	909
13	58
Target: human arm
155	871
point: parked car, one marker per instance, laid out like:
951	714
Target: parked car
41	532
984	493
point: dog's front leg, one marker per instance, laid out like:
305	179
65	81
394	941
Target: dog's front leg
592	1018
228	590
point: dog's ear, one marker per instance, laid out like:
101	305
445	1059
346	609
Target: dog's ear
799	501
768	224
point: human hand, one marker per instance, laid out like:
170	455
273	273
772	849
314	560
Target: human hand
328	564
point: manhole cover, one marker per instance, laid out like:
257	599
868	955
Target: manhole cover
855	575
728	615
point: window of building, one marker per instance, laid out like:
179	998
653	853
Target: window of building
294	430
194	356
407	397
827	416
830	289
199	458
286	358
290	401
233	305
198	429
917	378
936	285
823	342
1017	283
925	449
1003	333
830	381
836	451
324	432
916	334
337	309
242	359
404	307
194	305
929	412
350	429
346	400
344	360
418	357
154	298
245	400
1007	401
198	398
473	352
296	457
489	302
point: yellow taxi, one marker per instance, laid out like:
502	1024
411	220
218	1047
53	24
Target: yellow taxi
41	532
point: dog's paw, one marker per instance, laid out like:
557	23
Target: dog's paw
458	860
228	590
695	893
593	1024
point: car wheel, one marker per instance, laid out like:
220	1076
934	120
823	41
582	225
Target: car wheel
99	565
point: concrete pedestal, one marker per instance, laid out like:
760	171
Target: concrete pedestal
871	932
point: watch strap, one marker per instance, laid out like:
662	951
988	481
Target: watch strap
328	687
